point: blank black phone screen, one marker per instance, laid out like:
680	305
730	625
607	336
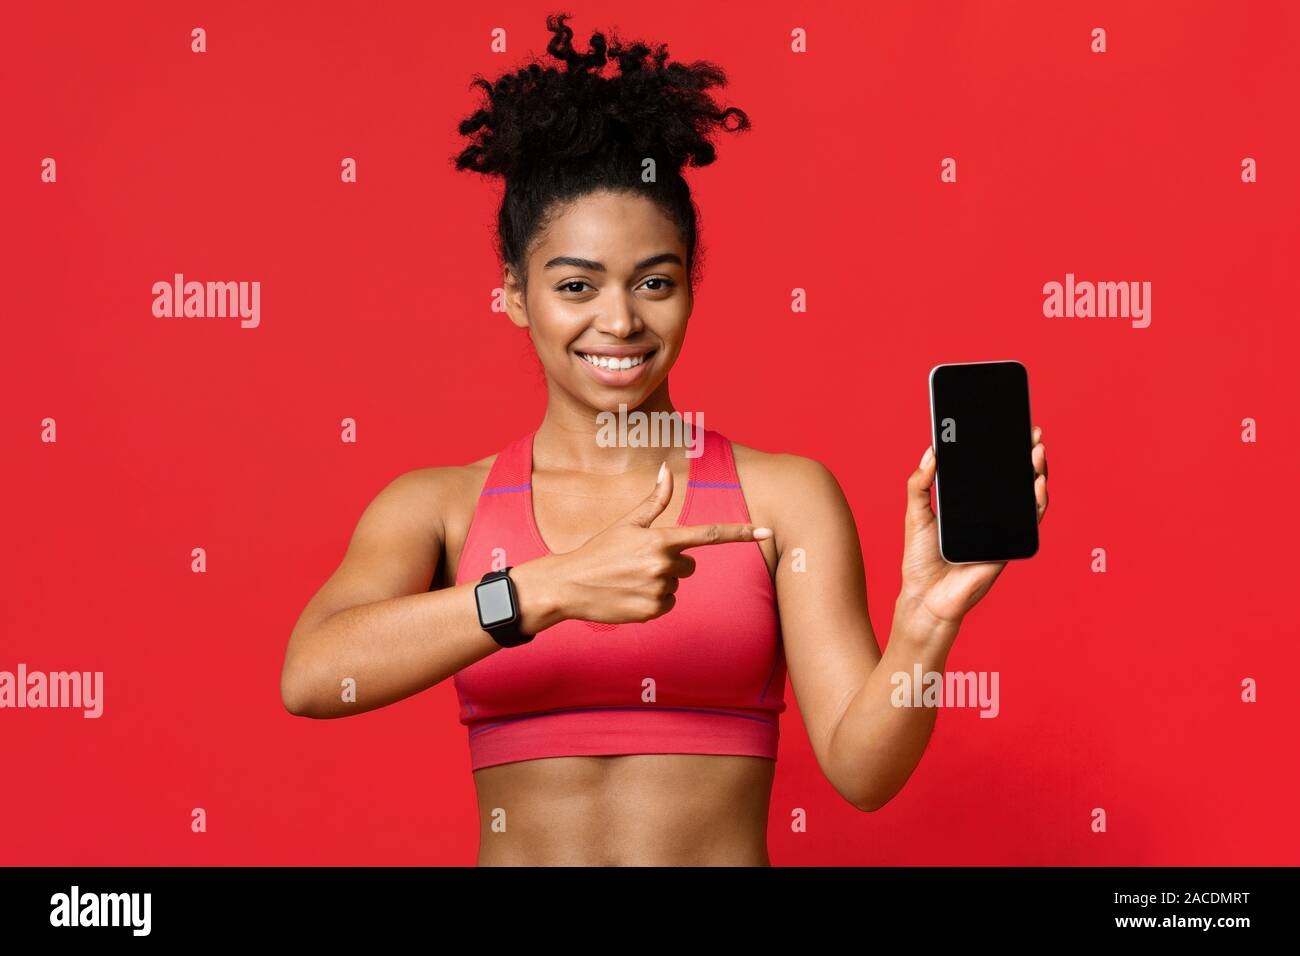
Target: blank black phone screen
984	479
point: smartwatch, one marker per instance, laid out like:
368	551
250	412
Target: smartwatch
498	608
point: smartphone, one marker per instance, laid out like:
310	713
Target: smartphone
984	473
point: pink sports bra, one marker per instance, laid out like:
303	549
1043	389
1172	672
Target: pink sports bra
708	677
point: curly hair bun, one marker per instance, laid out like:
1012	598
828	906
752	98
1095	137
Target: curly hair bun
544	115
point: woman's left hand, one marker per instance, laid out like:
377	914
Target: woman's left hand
948	591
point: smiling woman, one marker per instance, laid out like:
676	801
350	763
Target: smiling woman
619	619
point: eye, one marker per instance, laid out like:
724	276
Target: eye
664	284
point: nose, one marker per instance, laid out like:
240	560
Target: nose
618	316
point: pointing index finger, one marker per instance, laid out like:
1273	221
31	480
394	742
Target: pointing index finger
694	536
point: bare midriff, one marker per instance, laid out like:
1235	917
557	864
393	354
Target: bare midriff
626	810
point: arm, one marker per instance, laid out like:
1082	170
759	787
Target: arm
875	746
373	621
866	746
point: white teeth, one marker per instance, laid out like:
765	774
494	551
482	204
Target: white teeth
605	361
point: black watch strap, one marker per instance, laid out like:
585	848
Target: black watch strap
498	608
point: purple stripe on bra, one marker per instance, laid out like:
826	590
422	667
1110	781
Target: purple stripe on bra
693	484
497	491
578	710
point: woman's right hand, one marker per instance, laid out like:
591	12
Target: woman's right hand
627	573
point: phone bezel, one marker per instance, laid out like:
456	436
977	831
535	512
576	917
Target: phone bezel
934	443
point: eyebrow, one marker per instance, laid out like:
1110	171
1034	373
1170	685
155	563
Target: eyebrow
600	266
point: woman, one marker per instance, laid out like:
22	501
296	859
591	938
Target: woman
629	714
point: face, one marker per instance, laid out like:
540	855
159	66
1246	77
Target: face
607	299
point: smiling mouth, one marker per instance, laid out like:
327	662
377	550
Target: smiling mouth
614	363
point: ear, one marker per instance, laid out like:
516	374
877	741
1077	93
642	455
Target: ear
516	307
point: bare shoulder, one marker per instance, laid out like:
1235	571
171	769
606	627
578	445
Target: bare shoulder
802	502
410	528
791	493
443	495
780	488
446	480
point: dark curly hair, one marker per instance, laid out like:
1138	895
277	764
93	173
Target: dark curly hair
555	135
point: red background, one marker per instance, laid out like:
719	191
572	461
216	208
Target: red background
1118	690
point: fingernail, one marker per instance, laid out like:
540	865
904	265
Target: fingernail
925	459
760	533
663	470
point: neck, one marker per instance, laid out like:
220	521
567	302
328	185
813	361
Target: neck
568	437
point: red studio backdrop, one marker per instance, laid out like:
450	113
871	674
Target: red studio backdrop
1120	690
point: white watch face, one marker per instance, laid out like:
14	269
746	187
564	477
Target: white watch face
494	606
